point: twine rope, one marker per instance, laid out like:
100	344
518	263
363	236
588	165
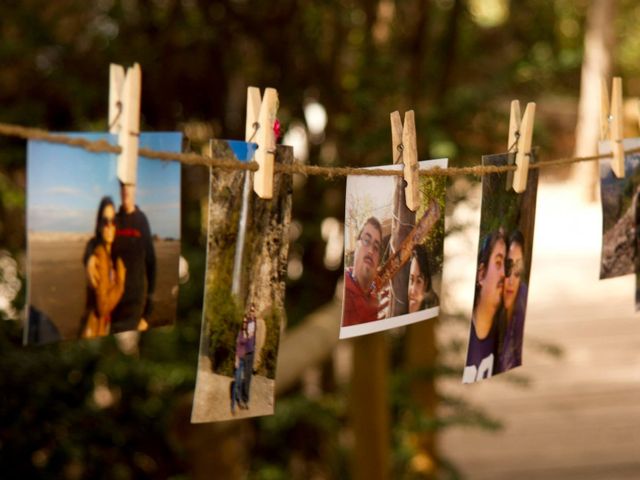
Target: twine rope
225	163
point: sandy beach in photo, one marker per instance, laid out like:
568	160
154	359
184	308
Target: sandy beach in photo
58	283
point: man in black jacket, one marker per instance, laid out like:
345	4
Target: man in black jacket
134	245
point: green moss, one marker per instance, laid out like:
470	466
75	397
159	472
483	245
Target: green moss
224	318
433	188
223	313
272	320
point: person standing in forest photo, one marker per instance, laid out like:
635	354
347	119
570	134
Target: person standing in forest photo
481	355
360	299
243	361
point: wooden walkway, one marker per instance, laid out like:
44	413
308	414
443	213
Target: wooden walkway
579	418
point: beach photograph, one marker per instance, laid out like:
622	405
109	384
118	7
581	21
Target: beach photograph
102	256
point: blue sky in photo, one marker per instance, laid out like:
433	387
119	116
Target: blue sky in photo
243	151
65	184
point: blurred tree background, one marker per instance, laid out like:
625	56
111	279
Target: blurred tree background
102	409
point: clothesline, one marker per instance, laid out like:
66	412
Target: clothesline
229	163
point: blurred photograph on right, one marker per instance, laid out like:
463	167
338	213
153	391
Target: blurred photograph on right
619	197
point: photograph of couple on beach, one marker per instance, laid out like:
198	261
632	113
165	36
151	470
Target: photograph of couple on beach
102	255
393	256
502	276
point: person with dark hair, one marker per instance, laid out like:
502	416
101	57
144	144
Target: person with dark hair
360	299
514	298
488	298
104	294
420	294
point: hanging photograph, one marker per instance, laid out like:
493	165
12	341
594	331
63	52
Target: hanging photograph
619	197
102	256
243	312
502	275
393	256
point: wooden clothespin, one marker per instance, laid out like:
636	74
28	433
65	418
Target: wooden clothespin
124	117
261	116
404	141
519	142
612	123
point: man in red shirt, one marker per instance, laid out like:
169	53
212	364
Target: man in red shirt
360	298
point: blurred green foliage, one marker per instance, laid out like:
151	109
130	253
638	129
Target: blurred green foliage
86	410
312	429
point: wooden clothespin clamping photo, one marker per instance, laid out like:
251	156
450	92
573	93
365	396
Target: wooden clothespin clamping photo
612	123
404	142
261	117
124	117
519	142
